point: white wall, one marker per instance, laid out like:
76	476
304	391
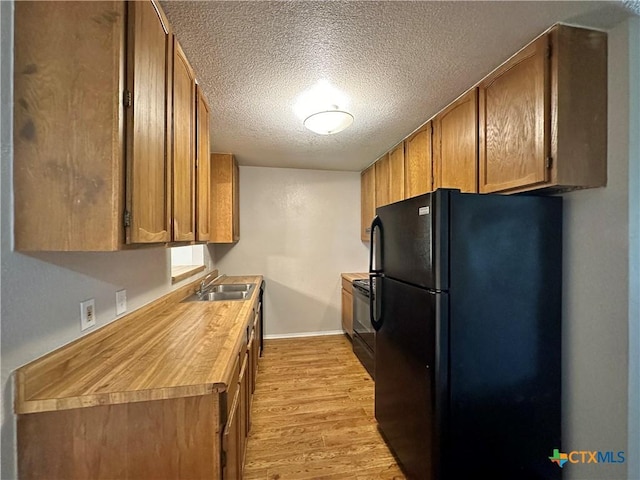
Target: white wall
300	229
596	298
41	292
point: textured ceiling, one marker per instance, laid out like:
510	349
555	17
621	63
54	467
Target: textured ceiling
398	62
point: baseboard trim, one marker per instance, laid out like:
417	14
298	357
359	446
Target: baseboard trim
303	334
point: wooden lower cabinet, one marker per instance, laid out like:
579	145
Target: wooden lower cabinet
231	438
172	438
203	436
347	307
243	411
239	400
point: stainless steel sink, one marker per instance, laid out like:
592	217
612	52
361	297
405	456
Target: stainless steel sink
225	292
233	287
213	296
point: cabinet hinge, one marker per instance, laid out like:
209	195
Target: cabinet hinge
549	51
128	98
549	163
127	218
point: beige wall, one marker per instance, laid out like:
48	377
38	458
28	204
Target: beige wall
300	229
596	297
634	248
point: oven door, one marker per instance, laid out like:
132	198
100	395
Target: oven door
364	339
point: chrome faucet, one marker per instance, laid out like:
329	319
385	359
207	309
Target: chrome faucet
204	285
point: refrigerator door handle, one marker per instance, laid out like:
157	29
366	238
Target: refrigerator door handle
375	300
375	247
375	296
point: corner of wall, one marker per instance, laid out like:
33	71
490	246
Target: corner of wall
633	442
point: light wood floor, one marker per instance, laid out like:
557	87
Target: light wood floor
313	415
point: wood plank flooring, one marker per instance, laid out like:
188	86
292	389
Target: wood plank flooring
312	415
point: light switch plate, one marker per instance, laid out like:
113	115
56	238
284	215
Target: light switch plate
121	302
87	314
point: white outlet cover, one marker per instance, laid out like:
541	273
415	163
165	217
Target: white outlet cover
87	314
121	302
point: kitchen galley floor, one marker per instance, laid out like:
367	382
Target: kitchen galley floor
312	415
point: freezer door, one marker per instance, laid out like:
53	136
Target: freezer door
405	393
413	243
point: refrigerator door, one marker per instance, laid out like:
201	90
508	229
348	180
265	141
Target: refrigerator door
505	336
406	370
413	240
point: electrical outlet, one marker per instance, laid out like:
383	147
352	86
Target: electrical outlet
87	314
121	302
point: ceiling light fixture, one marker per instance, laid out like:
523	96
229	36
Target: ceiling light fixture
329	122
318	108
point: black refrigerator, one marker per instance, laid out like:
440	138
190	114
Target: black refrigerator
467	314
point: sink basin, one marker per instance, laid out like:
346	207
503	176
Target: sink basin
233	287
213	296
228	291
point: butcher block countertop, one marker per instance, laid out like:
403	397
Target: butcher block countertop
350	277
165	350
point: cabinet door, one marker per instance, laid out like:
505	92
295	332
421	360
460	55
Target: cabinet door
455	144
515	121
231	441
367	201
184	143
418	173
347	312
225	199
148	134
68	158
235	184
255	353
203	168
383	193
396	174
243	411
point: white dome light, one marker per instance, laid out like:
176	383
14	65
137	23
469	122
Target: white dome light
323	108
328	121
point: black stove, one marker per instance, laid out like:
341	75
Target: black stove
364	340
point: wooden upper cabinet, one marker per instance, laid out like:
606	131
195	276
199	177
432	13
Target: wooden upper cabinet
203	168
396	174
383	178
184	145
455	144
149	90
418	172
225	199
367	202
543	115
514	113
68	165
105	124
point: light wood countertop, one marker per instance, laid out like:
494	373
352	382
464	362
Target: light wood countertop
166	350
350	277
